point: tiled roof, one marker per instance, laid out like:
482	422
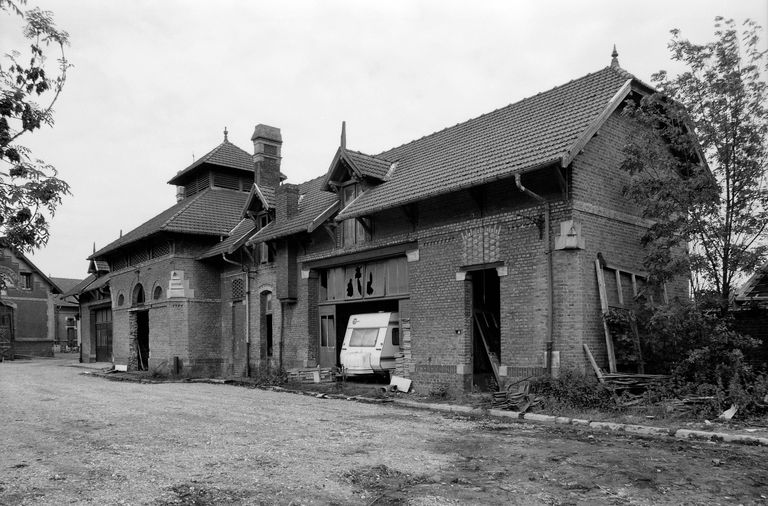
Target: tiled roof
368	165
66	284
311	205
225	154
525	135
80	287
88	284
236	237
214	211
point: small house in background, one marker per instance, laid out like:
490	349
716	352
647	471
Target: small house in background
65	335
33	316
750	311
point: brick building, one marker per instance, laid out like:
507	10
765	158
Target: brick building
482	236
33	315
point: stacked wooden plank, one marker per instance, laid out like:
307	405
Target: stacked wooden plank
404	364
311	375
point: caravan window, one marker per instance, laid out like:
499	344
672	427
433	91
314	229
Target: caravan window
364	337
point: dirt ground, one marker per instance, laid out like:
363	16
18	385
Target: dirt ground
70	438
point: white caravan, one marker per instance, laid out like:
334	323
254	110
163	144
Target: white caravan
370	343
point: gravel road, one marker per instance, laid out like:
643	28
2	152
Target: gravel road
72	438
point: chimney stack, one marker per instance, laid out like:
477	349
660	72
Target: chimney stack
286	201
267	142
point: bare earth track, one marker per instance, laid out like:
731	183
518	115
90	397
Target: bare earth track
69	438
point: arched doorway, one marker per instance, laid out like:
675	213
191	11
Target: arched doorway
140	329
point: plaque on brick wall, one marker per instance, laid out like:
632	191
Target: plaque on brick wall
176	284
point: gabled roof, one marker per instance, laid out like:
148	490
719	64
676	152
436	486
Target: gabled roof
225	154
361	164
264	195
314	202
214	211
546	129
237	237
21	256
66	284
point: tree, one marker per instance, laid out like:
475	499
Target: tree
708	220
30	190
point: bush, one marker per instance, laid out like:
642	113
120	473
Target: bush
696	344
573	391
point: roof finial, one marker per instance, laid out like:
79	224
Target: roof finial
94	246
225	129
344	134
615	58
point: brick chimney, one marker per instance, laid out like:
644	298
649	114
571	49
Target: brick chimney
286	201
266	155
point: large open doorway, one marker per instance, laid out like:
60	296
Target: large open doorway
142	339
486	329
333	325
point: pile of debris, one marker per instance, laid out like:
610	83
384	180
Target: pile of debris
311	375
515	397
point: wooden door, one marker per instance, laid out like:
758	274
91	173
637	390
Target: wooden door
103	333
328	356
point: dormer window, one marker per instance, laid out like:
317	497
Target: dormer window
265	253
353	231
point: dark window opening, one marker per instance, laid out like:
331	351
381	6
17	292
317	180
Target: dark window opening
158	293
138	295
266	324
26	281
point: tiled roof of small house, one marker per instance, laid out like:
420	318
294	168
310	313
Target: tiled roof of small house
534	132
313	202
66	284
237	237
225	154
214	211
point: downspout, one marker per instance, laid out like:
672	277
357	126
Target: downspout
248	322
550	291
282	332
247	271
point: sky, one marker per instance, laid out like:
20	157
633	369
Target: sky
155	83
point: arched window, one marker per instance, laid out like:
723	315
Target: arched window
138	295
158	293
120	300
